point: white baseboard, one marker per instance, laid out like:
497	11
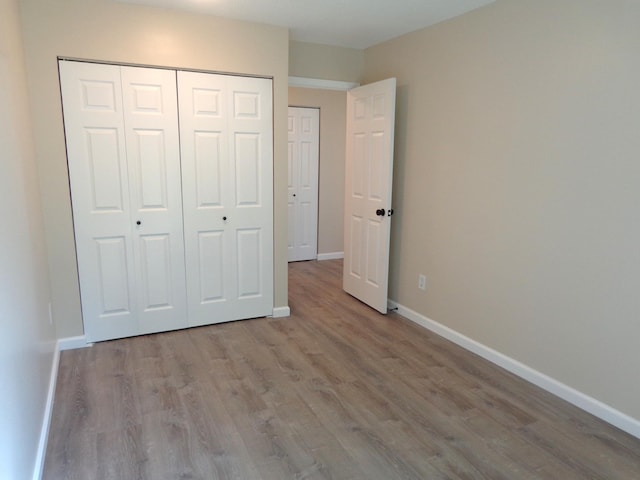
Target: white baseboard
330	256
581	400
279	312
62	344
46	418
71	343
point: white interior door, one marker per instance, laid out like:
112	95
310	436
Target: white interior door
303	156
368	180
122	148
227	179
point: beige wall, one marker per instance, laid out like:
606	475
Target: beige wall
27	340
516	184
326	62
116	32
333	115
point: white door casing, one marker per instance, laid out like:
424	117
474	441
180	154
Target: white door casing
227	179
122	148
368	182
302	204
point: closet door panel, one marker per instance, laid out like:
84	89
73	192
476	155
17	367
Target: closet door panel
104	167
207	150
225	128
113	276
206	190
251	128
147	148
98	174
153	153
121	128
155	262
249	262
247	165
211	267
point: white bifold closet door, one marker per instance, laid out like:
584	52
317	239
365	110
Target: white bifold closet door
121	129
227	177
144	266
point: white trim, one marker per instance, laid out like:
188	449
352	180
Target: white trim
279	312
71	343
61	344
304	82
330	256
46	419
581	400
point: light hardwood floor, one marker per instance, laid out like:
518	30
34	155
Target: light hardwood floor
334	391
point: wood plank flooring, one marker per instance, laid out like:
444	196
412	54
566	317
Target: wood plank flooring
336	391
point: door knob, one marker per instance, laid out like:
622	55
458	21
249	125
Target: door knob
224	218
380	212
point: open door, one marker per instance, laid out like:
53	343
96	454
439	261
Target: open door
368	178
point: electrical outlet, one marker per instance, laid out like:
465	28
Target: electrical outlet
422	282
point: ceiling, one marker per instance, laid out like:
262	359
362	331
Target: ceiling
345	23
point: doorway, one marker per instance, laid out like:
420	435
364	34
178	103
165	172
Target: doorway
303	167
